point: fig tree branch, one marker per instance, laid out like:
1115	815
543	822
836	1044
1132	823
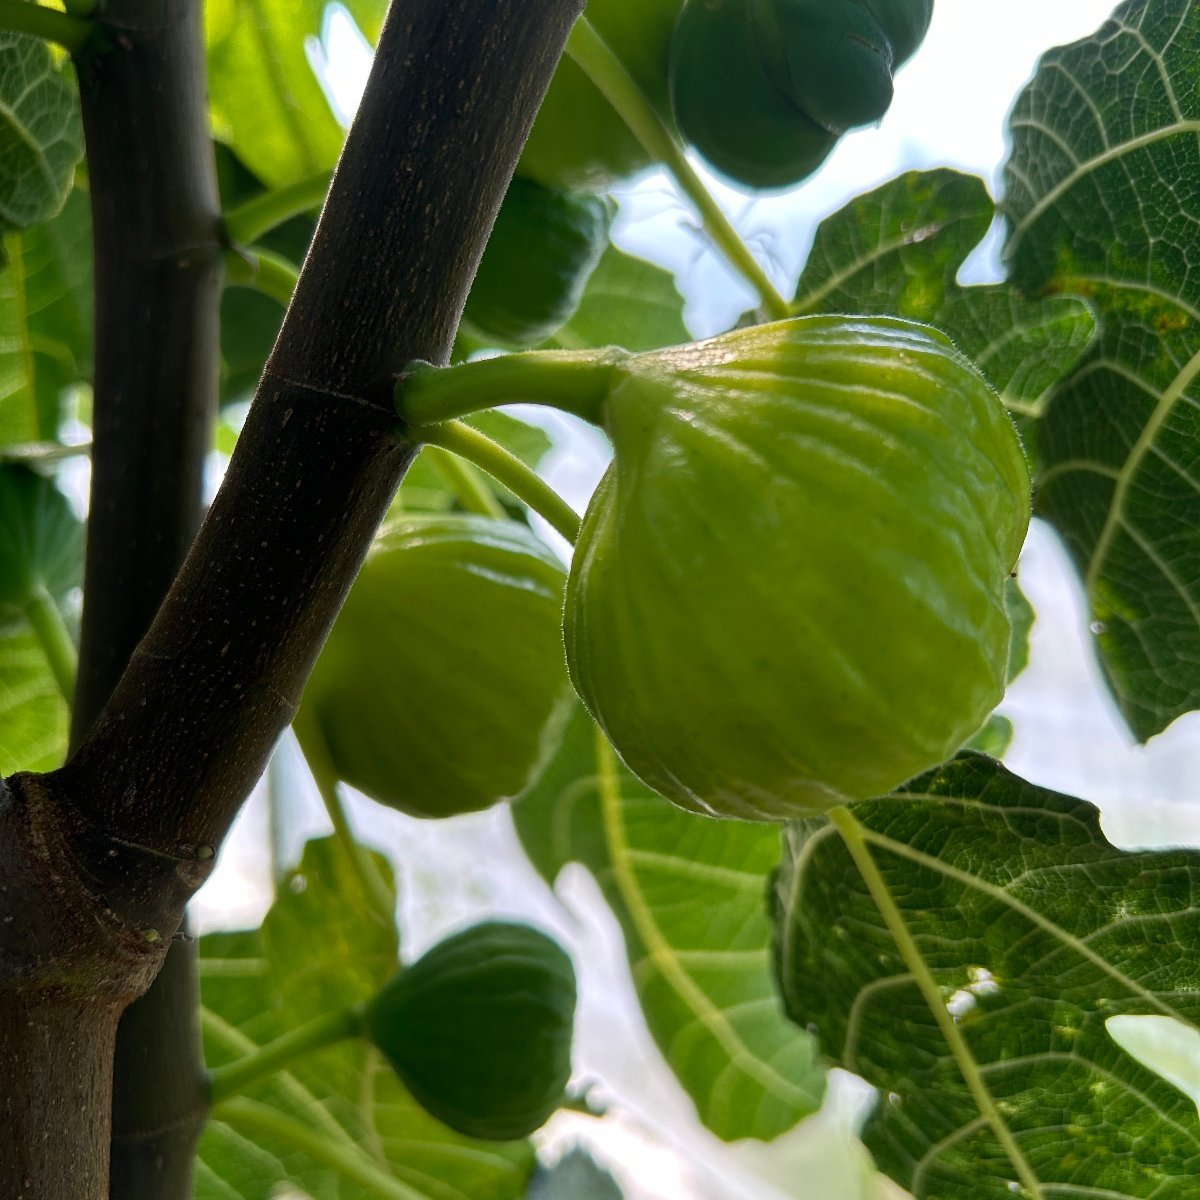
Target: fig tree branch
157	248
447	108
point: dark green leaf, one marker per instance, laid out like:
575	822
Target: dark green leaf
1102	202
41	540
41	134
320	949
689	895
1033	930
249	323
628	302
898	250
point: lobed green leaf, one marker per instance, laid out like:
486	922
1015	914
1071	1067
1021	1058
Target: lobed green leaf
1035	931
898	250
41	132
1102	201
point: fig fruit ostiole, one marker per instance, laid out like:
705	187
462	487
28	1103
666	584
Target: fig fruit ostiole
788	590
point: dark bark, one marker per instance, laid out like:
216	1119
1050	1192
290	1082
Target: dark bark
152	787
159	1097
68	965
156	232
451	96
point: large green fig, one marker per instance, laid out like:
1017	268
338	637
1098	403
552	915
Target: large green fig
445	668
542	251
789	587
480	1029
763	88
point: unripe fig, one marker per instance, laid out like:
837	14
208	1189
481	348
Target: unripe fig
480	1029
789	587
543	249
729	107
444	669
763	88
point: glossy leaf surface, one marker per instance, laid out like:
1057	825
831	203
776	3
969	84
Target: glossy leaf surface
1034	931
1102	202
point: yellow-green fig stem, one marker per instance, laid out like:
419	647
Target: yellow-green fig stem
575	381
472	490
506	468
64	29
235	1077
316	754
248	221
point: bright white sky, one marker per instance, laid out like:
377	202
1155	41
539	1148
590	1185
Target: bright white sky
949	110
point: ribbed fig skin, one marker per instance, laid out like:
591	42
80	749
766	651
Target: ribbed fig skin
480	1029
789	588
445	668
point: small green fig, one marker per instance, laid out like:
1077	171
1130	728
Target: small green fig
729	107
763	88
480	1029
543	249
445	669
788	591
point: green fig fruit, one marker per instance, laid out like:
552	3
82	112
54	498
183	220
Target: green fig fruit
763	88
904	22
831	60
445	668
543	249
578	141
788	591
480	1029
